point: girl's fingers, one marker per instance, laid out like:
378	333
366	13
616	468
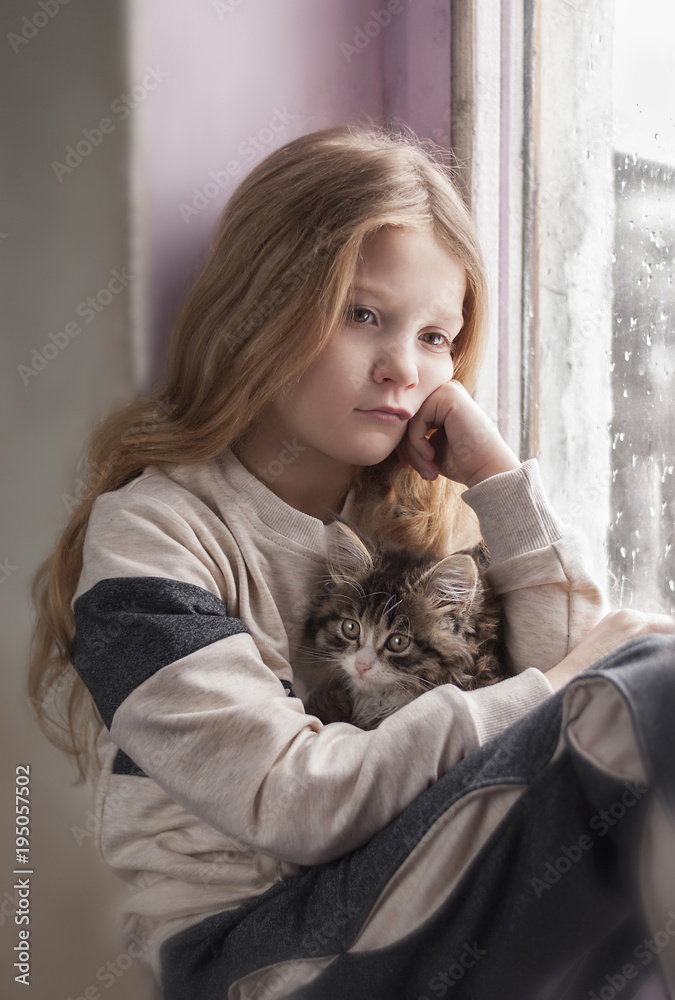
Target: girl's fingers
425	442
417	437
427	448
427	452
410	457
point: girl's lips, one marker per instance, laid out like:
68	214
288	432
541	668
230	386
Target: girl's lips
386	415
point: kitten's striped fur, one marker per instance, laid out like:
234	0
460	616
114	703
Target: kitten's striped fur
391	624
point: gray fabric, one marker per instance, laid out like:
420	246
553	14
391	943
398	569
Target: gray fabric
123	764
128	628
557	945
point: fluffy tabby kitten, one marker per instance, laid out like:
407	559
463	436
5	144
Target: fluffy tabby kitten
392	624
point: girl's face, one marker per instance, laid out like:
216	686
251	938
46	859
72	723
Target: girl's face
394	349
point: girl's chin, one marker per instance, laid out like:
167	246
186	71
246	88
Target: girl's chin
372	456
363	449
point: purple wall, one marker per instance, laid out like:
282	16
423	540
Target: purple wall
240	79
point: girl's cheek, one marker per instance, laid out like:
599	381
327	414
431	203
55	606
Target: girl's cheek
439	376
449	372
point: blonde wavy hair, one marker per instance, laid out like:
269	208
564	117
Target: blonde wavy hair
273	288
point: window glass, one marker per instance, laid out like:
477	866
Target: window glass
641	536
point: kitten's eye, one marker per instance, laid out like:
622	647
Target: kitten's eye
397	642
350	628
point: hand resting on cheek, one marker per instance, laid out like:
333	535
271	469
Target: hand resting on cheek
464	444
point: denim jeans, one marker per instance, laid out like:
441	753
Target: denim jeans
554	895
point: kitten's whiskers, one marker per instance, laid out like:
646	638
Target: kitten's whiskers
318	654
391	598
347	581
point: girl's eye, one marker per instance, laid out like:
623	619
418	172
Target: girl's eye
355	312
397	642
442	340
350	628
352	310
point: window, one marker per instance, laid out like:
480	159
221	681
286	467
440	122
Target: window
581	259
642	530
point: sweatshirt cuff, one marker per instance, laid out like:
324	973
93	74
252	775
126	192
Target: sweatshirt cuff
497	706
514	513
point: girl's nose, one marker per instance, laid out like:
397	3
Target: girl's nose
396	363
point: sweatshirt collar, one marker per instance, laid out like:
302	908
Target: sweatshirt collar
272	510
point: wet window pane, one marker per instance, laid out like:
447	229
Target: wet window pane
641	538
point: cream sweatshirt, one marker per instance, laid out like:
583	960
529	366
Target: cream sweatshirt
215	783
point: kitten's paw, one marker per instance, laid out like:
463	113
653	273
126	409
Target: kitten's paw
330	702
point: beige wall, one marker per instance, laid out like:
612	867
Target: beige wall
61	240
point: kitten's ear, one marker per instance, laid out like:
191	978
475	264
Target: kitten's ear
454	580
347	553
479	552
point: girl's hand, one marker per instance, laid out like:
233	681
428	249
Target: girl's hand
464	444
611	632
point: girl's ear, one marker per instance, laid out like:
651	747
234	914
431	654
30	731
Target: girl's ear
347	554
453	581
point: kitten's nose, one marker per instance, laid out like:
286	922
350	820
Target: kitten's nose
362	667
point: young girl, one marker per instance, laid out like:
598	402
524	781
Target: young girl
515	840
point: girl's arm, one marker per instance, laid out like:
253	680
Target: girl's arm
612	631
541	569
186	693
